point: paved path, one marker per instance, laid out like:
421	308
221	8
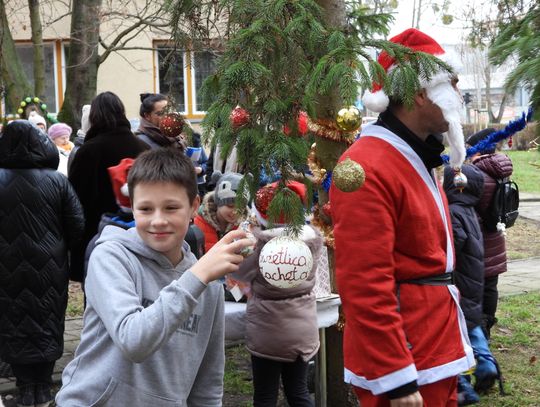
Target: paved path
523	276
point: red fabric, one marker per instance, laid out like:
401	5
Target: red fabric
411	38
119	174
439	394
391	230
210	233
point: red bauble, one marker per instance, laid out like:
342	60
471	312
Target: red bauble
327	209
239	117
172	124
263	198
302	123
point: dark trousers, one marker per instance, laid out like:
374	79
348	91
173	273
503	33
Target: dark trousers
266	374
491	299
35	373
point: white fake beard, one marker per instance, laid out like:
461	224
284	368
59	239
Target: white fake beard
449	101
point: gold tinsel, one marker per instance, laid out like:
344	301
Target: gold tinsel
315	166
327	128
323	223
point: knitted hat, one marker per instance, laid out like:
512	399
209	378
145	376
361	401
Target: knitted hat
375	99
118	175
36	119
85	122
59	129
226	187
265	195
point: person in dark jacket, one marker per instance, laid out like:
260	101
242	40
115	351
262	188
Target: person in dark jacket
469	276
41	219
107	142
494	166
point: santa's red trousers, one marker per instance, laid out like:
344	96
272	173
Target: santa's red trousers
439	394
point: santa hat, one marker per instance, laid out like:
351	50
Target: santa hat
118	175
265	195
376	99
36	119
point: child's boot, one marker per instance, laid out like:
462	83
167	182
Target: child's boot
466	393
487	368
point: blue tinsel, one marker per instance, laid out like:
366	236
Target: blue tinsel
489	142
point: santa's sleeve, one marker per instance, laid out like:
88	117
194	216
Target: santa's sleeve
377	357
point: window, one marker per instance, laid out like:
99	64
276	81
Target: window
181	81
171	76
204	65
26	55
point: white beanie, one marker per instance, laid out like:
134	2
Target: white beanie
36	119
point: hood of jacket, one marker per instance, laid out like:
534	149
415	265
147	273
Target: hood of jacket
496	165
131	240
471	194
23	145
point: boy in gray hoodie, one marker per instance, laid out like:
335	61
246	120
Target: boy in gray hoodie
153	331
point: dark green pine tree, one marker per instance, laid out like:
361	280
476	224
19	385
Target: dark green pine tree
519	38
281	58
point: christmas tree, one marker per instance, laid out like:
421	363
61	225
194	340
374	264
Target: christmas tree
286	58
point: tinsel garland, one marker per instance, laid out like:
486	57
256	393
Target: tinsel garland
326	229
314	166
327	128
492	139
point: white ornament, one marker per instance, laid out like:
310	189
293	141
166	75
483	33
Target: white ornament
285	262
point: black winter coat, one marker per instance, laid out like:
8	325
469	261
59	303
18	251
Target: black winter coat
90	177
468	241
40	219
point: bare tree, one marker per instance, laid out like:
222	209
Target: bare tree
37	41
16	84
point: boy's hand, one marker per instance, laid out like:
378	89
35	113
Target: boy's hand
223	258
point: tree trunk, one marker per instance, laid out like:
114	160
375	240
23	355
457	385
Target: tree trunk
37	41
82	66
16	85
328	152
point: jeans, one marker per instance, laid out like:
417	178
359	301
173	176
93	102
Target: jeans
266	374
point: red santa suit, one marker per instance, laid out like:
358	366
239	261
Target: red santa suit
396	227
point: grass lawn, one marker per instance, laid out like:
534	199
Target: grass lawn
526	174
516	345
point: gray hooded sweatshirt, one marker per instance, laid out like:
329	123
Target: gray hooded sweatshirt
153	333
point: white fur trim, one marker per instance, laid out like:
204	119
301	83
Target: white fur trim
262	221
376	101
124	190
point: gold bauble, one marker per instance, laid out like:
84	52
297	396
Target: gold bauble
349	119
348	175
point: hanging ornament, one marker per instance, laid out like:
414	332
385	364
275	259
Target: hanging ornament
36	99
302	124
460	180
349	118
20	111
239	117
23	103
314	166
285	262
327	209
172	124
348	175
43	106
28	100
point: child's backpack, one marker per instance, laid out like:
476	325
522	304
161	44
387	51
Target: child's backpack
503	209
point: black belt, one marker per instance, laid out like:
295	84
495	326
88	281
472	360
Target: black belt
439	279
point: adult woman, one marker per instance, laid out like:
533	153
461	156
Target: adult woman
153	108
41	220
108	141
